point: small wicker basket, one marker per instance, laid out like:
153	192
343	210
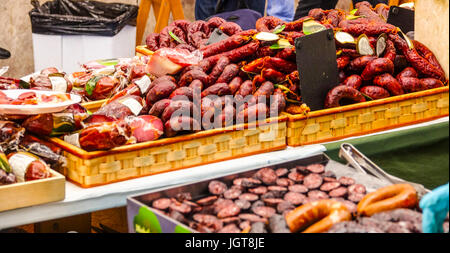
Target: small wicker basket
368	117
89	169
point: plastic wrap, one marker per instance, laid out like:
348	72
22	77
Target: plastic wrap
69	17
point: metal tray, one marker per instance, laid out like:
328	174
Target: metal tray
140	204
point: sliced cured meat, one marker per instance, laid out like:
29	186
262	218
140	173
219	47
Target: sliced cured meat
313	181
298	188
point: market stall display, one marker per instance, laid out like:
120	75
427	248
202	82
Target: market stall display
289	197
27	165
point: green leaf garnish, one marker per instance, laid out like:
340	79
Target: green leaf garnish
175	37
352	12
90	85
279	29
367	97
24	85
4	165
108	62
281	44
352	17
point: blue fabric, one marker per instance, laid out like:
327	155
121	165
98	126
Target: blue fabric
435	208
206	8
283	9
245	18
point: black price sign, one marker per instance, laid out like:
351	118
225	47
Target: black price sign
402	18
317	67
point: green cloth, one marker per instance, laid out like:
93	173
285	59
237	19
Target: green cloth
418	155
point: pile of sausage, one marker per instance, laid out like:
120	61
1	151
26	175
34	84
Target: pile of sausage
396	221
397	70
192	36
259	204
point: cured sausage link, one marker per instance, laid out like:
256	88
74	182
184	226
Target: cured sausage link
327	212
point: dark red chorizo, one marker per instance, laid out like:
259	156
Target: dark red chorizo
215	22
196	86
192	75
252	113
426	53
263	93
390	51
183	107
182	93
375	92
354	81
411	84
273	75
388	82
180	124
218	69
218	89
431	83
281	65
267	24
360	63
230	28
235	84
340	92
229	72
287	54
235	55
224	45
182	24
343	62
421	64
370	29
152	41
245	89
377	67
408	72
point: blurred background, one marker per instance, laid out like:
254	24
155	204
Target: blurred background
15	30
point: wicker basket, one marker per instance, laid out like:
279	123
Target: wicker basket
368	117
89	169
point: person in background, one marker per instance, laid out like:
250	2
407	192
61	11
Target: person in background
304	6
206	8
283	9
